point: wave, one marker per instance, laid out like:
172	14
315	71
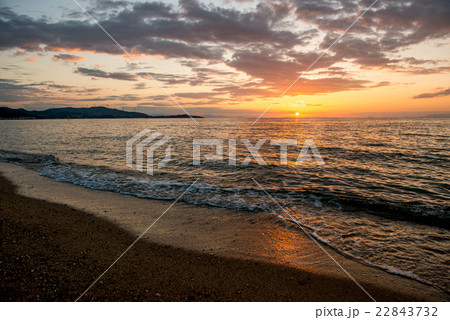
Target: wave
249	198
313	233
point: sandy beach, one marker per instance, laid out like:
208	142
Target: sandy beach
235	151
58	238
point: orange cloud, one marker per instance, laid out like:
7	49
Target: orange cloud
67	57
31	59
19	52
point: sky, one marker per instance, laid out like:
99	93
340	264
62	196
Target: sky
228	58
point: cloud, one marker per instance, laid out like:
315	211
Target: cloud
277	74
441	93
140	86
123	97
13	91
196	30
397	24
249	89
155	9
16	91
260	50
151	28
128	27
109	4
19	52
67	57
231	26
207	111
330	85
389	26
32	59
97	73
197	95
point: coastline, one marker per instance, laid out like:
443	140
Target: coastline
193	253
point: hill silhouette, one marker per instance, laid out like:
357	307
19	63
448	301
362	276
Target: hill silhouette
78	113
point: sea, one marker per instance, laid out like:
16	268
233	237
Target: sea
380	196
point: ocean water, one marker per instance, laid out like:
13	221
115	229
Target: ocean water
382	196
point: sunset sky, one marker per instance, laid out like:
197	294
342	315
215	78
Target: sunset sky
228	58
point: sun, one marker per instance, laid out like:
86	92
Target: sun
297	114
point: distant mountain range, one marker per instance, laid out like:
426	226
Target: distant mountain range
78	113
438	116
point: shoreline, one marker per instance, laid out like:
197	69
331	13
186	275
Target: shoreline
229	244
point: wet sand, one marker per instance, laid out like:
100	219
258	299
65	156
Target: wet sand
54	251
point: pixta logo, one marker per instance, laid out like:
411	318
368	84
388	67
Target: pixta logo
146	144
144	141
308	147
